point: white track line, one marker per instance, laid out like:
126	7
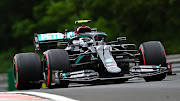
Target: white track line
45	95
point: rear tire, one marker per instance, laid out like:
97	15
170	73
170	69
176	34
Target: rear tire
27	70
55	59
153	53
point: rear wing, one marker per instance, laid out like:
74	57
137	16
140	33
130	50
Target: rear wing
51	39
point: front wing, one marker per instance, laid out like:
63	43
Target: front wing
90	76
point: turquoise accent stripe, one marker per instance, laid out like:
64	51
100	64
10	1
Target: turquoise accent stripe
77	61
80	36
64	75
102	35
157	68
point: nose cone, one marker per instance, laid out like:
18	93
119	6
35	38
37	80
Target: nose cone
113	69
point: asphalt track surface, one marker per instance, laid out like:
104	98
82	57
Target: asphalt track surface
132	90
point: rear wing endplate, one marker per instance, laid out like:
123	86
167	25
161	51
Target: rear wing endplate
50	39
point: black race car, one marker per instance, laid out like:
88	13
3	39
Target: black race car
84	56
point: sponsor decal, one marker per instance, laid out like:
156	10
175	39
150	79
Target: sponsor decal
113	64
145	66
54	36
50	36
76	76
110	64
147	70
108	60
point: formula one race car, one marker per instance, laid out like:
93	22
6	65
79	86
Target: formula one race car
83	56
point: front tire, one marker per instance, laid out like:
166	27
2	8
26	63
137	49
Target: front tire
55	59
153	53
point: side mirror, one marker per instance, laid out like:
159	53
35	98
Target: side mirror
121	39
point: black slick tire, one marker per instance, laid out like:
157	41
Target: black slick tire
55	59
27	71
153	53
